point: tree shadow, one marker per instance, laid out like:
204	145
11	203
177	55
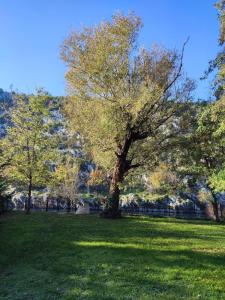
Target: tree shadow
84	257
115	270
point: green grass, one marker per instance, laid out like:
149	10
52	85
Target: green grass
50	256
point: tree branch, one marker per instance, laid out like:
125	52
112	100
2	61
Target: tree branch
179	69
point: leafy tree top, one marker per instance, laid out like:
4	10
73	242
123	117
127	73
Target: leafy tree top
121	97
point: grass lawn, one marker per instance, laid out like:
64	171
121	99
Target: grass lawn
51	256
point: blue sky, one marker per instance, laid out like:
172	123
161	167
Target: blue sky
31	32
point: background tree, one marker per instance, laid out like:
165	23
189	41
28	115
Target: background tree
218	109
211	123
65	180
5	195
98	180
122	101
221	11
210	153
164	180
201	150
28	143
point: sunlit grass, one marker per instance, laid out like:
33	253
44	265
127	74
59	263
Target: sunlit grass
50	256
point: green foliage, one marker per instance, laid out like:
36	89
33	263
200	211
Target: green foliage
220	5
97	177
212	127
122	99
218	63
163	180
65	178
217	181
28	145
212	120
202	150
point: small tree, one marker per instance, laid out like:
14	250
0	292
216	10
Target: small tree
28	143
122	101
65	180
163	179
98	180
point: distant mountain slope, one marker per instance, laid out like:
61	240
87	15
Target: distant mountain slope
6	100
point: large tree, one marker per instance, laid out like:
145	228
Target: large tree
203	148
123	101
204	153
28	145
213	118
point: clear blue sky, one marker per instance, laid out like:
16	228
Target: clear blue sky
31	32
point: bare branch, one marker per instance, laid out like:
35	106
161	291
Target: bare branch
179	69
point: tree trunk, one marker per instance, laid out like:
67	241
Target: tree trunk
221	211
112	207
57	204
215	205
29	196
112	210
46	206
120	170
68	204
216	210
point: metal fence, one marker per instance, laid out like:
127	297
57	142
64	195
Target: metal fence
177	212
161	212
166	212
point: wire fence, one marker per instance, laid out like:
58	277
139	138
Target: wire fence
176	212
166	212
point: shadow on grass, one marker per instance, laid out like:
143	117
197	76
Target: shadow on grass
85	257
112	269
